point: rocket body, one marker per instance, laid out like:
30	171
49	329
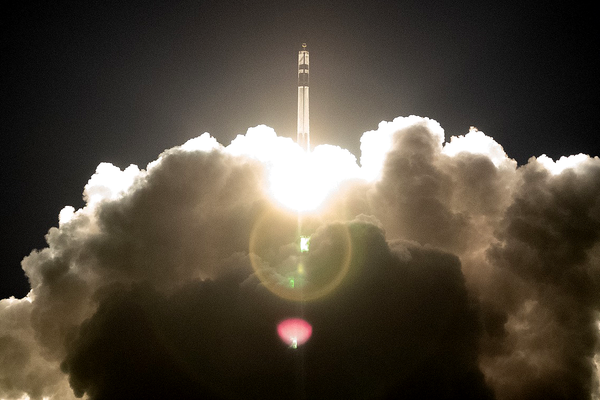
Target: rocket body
303	138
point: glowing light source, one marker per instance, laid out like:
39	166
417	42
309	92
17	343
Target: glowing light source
294	331
302	181
304	243
298	180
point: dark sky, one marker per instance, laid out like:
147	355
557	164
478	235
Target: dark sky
83	83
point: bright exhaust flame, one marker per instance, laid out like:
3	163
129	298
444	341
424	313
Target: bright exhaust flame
298	180
303	181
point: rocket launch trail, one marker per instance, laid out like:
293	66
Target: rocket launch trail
303	138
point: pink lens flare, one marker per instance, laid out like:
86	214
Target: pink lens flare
294	331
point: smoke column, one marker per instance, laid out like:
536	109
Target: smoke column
435	270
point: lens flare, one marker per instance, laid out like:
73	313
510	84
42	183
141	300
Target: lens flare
294	331
299	267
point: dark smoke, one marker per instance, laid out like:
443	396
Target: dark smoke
217	339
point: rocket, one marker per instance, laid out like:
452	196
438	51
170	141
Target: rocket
303	138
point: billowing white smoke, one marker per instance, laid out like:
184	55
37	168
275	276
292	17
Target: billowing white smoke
468	276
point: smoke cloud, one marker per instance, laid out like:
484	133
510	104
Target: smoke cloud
435	270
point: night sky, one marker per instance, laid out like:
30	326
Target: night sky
88	82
